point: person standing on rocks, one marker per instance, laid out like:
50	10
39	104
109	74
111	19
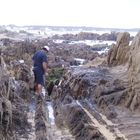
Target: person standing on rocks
40	62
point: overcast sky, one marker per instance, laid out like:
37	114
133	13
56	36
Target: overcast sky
97	13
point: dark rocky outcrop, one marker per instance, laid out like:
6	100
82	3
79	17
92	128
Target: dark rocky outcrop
86	36
64	54
108	36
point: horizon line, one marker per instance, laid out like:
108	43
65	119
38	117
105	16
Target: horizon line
73	26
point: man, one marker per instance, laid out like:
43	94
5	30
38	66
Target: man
40	69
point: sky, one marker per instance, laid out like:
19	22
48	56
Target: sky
92	13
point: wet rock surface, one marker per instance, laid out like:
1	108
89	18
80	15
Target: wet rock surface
79	85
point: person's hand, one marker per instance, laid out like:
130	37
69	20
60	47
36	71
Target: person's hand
46	74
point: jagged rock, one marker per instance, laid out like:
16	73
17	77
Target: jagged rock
119	53
8	42
65	54
22	72
78	123
134	74
13	106
97	85
13	111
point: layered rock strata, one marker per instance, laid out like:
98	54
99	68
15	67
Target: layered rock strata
134	75
82	84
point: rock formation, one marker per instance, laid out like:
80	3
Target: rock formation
85	99
13	115
119	53
134	74
80	84
103	88
86	36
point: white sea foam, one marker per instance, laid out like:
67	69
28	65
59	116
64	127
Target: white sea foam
103	51
93	42
21	61
81	61
58	41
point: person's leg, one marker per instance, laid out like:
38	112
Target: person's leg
38	82
39	89
40	85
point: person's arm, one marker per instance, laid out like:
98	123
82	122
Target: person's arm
45	63
45	66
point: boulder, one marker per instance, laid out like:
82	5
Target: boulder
107	36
